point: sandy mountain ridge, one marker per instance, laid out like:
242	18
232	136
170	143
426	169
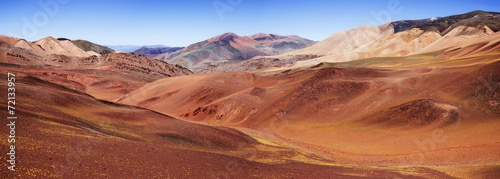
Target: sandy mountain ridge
230	46
79	48
395	39
409	42
51	45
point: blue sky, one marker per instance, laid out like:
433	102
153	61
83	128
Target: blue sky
183	22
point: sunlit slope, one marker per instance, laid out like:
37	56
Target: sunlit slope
65	133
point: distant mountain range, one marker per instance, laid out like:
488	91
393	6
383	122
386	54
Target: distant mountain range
399	38
131	48
231	52
153	52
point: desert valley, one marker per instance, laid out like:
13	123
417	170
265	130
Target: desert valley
406	99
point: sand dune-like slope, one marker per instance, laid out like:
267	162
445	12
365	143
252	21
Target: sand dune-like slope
402	38
343	41
460	36
414	41
74	135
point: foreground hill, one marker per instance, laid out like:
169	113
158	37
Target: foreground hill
76	135
230	46
72	134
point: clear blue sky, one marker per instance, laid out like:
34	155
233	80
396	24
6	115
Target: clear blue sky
183	22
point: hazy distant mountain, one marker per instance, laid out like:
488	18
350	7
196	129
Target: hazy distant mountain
230	46
131	48
155	51
124	48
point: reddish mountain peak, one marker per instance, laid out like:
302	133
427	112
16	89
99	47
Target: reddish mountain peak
264	36
259	35
225	35
229	34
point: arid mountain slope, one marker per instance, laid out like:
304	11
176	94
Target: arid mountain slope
76	135
363	115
